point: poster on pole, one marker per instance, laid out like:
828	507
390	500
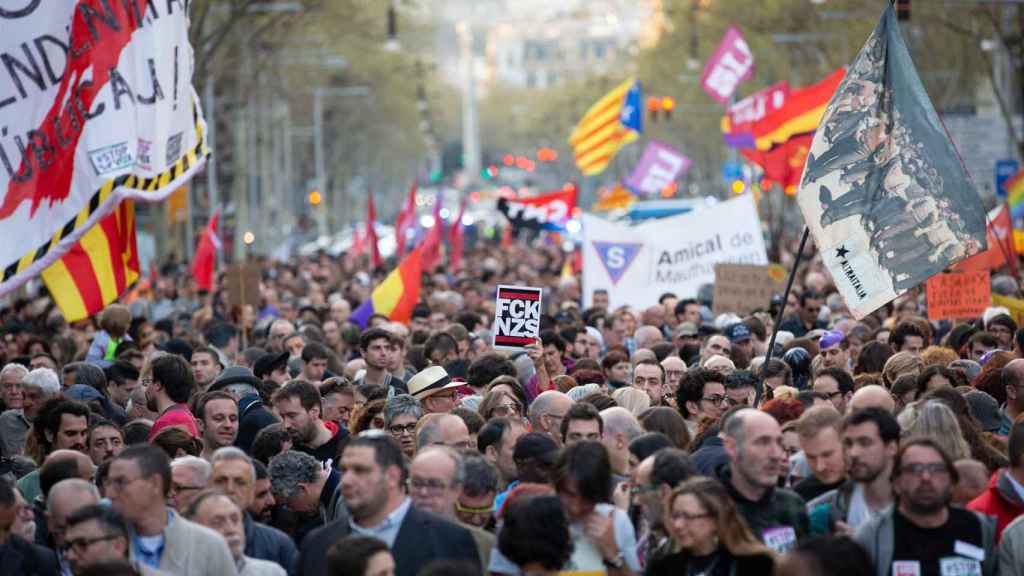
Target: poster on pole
744	288
516	317
958	295
637	264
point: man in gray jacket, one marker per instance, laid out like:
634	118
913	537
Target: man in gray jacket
922	533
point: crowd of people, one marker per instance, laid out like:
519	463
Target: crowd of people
178	433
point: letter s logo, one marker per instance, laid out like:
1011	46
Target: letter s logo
616	257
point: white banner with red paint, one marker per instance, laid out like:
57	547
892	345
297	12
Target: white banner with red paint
96	105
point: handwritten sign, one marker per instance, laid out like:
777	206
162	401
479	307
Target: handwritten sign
744	288
731	64
958	295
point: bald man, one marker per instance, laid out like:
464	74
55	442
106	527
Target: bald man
444	429
973	481
871	396
620	427
547	412
65	498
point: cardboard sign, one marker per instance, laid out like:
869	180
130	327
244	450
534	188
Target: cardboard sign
516	317
743	288
243	281
958	295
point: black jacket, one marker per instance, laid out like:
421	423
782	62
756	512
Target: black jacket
252	417
19	556
710	456
268	543
423	537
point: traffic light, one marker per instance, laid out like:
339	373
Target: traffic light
668	104
653	106
738	186
315	198
903	10
547	155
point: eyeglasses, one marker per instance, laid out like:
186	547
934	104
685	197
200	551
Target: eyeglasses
716	399
179	488
81	544
642	489
680	515
469	510
398	430
933	469
459	446
427	485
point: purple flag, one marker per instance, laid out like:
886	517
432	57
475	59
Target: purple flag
659	166
731	64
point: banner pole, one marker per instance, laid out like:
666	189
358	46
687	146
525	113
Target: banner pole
785	295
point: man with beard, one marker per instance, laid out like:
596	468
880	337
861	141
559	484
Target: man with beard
753	442
373	487
870	439
104	441
656	477
298	404
61	425
922	533
169	384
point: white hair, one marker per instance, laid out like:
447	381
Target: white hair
228	453
199	466
43	379
14	368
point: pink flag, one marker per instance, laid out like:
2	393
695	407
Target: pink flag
731	64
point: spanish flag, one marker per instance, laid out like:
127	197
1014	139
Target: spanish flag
396	296
98	269
614	121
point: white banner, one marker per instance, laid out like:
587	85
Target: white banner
96	105
637	264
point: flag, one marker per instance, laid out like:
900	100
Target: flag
614	121
358	243
406	219
99	268
783	164
739	120
1001	245
371	231
731	64
549	211
1015	195
396	296
618	198
204	262
432	242
800	114
116	119
884	192
456	238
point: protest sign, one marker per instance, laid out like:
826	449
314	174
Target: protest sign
96	106
731	64
958	295
658	167
1014	305
243	282
743	288
676	254
516	317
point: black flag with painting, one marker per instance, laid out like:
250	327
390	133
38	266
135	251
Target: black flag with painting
884	192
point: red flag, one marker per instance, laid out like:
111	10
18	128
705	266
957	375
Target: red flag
358	243
205	260
371	232
506	236
432	243
1000	245
406	219
784	163
456	237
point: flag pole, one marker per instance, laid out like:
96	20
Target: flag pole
785	295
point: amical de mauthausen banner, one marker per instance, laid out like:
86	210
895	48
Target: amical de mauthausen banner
636	264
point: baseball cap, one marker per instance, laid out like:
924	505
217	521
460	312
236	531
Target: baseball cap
738	332
535	445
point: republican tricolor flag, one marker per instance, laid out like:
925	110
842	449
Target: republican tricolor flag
396	296
99	268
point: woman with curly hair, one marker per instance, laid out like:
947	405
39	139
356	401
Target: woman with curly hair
368	416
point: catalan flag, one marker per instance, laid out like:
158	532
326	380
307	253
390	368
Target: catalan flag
615	120
396	295
98	269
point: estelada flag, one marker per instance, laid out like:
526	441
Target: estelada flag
1001	247
99	268
396	296
204	261
611	123
884	192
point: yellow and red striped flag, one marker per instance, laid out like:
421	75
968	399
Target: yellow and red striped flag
615	120
99	268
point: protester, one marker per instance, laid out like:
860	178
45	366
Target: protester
221	514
